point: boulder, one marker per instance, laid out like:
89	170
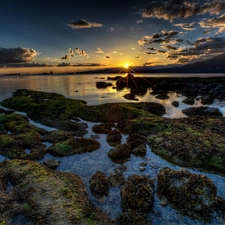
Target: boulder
162	96
114	136
73	146
51	163
189	101
120	153
186	190
99	184
175	103
116	178
129	96
103	128
202	111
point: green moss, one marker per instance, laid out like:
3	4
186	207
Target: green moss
63	147
26	206
3	223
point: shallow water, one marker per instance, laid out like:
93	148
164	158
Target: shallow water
85	165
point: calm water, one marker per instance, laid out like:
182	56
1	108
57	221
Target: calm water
85	165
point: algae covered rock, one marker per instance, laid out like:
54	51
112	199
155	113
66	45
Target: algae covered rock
120	153
186	190
99	184
116	178
51	163
137	143
137	200
57	136
114	136
15	146
48	197
103	128
202	111
73	146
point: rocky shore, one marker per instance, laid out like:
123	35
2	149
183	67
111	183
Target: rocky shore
46	196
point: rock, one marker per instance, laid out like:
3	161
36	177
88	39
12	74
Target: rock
140	150
99	184
122	168
163	201
175	103
103	128
116	178
207	100
45	196
73	146
2	111
129	96
162	96
189	101
52	163
142	168
94	136
120	153
186	190
137	193
114	136
57	136
135	140
202	111
9	112
143	164
103	84
158	92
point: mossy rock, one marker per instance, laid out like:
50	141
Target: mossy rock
185	190
57	136
55	110
34	185
191	145
73	146
17	124
13	146
120	154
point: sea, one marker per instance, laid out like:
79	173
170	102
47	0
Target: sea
83	87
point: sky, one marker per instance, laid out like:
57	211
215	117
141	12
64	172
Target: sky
41	35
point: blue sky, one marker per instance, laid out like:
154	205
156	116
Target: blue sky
110	33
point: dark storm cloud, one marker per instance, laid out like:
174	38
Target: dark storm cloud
83	24
17	55
203	48
171	47
147	64
174	9
218	22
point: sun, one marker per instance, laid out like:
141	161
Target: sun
126	65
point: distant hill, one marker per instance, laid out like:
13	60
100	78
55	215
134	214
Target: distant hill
213	65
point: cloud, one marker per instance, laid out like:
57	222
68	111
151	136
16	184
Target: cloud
150	53
17	55
161	51
147	64
111	29
152	49
66	56
203	48
99	51
139	21
89	64
107	57
206	31
218	22
137	57
81	52
166	37
186	26
83	24
171	47
71	52
175	9
114	52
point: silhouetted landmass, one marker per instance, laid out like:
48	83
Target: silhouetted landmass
213	65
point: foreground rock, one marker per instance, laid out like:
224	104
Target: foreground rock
202	111
137	200
73	146
137	143
187	191
192	142
57	136
52	163
120	153
99	184
47	197
114	136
